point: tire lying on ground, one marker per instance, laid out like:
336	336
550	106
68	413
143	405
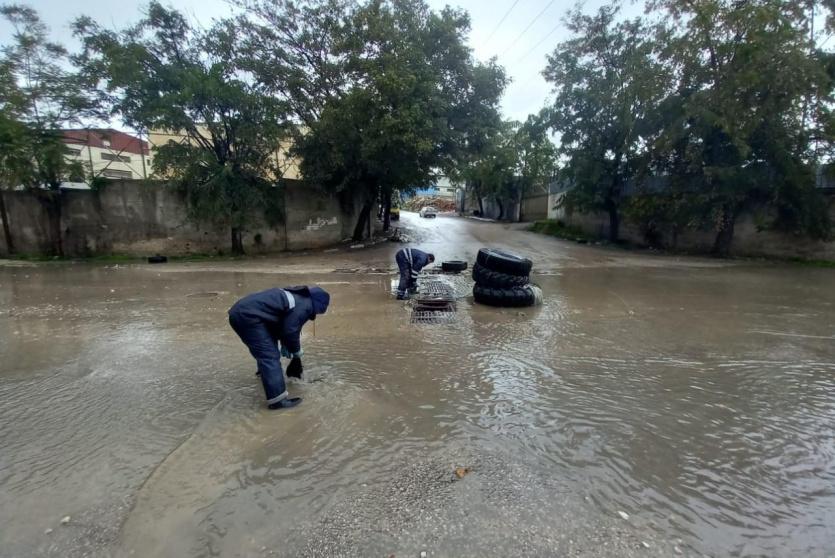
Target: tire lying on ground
454	265
515	297
504	262
496	279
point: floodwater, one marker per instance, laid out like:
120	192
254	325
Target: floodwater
652	406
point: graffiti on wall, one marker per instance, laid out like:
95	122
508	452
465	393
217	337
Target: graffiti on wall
319	222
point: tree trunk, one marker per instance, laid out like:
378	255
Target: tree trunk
519	207
725	234
480	206
362	220
614	223
387	211
501	208
6	230
237	241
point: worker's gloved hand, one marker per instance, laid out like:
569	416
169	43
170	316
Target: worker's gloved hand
286	403
284	352
295	368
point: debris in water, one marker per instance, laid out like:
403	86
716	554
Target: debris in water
65	520
47	531
677	550
462	472
355	246
623	514
645	544
423	554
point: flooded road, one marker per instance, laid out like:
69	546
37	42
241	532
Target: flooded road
653	406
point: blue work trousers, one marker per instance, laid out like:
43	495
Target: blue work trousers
264	348
408	278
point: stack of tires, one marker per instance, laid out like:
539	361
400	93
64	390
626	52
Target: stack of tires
503	279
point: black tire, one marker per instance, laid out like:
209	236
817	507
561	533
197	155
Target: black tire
454	265
157	259
516	297
503	262
496	279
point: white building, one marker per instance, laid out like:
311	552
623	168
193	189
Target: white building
109	153
445	188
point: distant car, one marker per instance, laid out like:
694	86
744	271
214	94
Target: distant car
394	213
428	211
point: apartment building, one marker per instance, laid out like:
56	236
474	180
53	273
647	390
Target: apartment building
109	153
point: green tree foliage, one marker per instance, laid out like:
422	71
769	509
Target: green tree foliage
163	74
728	102
607	82
490	170
386	90
40	95
747	118
536	156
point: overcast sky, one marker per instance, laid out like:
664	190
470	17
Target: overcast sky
519	32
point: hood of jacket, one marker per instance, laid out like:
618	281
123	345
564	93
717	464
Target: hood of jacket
319	296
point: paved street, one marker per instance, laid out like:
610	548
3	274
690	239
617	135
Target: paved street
653	405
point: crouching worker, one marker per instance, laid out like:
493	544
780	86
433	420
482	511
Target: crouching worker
263	320
410	261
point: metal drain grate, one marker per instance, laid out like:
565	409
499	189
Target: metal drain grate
432	317
434	288
433	312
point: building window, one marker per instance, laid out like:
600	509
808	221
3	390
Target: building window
112	173
73	152
114	157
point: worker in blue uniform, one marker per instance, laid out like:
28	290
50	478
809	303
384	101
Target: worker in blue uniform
264	319
410	261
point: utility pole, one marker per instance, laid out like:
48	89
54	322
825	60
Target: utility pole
142	152
90	156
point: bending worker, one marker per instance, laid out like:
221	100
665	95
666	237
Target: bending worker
410	261
263	320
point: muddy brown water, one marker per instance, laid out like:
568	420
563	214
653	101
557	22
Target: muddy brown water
697	397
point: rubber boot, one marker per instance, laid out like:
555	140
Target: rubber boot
286	403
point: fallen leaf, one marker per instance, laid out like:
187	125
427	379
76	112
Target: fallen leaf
461	472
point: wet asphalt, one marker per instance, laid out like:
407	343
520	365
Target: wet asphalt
653	406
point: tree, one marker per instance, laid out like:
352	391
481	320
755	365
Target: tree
382	88
490	170
607	82
164	74
536	156
747	112
41	94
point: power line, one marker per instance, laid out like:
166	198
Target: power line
499	24
534	47
519	36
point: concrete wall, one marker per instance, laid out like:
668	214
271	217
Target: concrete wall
142	218
29	220
535	207
747	241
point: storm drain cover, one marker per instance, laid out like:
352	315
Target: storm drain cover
432	317
434	288
434	302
